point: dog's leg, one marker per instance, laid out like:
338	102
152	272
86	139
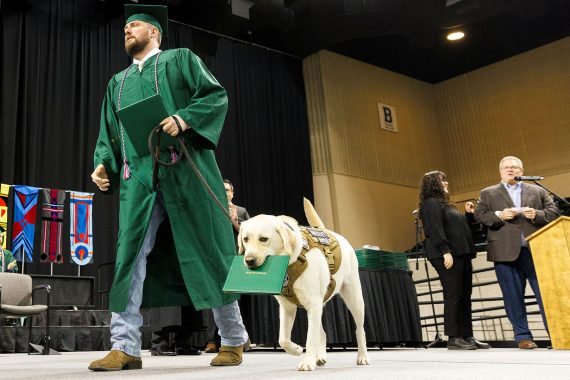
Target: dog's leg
287	312
314	319
322	353
351	293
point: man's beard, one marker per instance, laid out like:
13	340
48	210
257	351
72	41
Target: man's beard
133	48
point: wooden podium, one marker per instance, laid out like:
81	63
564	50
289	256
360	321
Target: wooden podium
550	247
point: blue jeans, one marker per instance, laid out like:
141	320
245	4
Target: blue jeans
512	277
125	326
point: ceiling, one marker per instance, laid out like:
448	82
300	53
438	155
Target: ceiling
405	36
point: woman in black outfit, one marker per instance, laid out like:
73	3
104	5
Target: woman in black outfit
449	248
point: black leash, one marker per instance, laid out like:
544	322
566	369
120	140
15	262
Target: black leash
155	153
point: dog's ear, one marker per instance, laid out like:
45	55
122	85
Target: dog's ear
287	236
241	248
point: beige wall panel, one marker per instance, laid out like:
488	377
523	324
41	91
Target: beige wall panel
518	106
375	213
358	146
366	178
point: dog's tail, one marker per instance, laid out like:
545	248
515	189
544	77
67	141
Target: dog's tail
311	214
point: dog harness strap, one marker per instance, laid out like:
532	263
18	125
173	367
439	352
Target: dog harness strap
293	272
330	289
326	243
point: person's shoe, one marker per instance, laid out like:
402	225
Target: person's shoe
527	344
116	361
460	344
228	356
211	347
478	343
247	346
162	350
188	350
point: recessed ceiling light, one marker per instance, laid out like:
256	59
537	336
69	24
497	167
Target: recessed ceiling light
454	36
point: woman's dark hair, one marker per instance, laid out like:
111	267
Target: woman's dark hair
431	187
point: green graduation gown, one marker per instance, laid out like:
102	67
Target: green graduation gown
9	257
194	247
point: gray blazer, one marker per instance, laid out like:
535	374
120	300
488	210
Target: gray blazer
504	237
241	214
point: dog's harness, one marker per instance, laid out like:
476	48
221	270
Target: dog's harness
326	243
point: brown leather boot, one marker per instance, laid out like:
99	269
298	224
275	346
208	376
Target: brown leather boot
228	356
115	361
211	347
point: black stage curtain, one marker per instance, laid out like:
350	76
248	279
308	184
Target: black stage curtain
57	57
392	317
392	314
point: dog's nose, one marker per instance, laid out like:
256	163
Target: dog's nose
250	262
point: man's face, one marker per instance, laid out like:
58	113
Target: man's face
137	37
509	170
229	191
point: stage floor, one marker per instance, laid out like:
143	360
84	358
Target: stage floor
391	363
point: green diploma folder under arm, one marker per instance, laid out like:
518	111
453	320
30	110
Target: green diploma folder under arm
140	118
267	279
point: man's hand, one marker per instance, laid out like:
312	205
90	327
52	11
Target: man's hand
529	213
447	260
100	178
508	214
169	125
11	265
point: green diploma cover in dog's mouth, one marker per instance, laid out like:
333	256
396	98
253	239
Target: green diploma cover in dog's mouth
266	279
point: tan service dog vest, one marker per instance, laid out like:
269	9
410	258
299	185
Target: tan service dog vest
328	245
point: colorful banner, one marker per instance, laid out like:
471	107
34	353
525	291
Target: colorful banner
4	191
52	225
81	234
25	202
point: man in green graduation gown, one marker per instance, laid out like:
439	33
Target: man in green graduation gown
175	245
7	261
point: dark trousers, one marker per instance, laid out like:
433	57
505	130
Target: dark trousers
512	277
457	287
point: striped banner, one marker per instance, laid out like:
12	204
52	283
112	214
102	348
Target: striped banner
4	191
25	202
81	234
52	225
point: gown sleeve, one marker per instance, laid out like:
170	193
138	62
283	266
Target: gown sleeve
206	111
108	146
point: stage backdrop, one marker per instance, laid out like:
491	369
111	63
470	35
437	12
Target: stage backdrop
56	59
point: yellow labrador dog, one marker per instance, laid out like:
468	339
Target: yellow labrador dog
266	235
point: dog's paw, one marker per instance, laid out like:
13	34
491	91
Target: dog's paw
306	365
362	360
321	357
292	349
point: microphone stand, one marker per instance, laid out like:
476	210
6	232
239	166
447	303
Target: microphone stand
556	196
420	248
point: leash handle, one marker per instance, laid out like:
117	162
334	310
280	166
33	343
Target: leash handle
155	153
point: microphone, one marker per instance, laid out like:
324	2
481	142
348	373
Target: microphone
528	178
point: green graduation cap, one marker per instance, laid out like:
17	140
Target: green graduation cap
156	15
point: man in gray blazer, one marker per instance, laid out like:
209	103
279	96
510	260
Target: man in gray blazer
512	211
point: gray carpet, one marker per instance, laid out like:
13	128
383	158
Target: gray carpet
394	363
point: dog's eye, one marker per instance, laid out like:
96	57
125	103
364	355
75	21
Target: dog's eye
245	239
263	239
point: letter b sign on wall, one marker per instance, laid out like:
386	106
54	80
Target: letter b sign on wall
387	116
